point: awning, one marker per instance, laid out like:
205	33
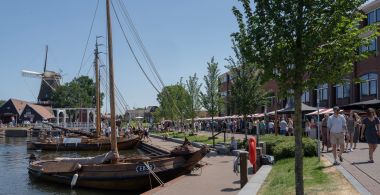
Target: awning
304	108
375	103
321	111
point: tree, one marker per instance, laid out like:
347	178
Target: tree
212	100
2	102
296	42
174	101
194	90
247	92
78	93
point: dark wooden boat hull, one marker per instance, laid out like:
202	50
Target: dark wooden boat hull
128	176
122	145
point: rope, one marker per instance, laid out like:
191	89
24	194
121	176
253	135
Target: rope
138	41
119	98
133	52
144	52
88	38
154	174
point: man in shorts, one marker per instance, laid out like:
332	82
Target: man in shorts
336	125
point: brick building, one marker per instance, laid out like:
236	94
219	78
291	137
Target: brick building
367	71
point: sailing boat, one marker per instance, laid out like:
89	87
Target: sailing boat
111	171
87	141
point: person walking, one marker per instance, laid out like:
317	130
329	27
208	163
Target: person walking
350	131
325	134
290	127
371	127
313	129
283	126
358	123
336	125
271	126
307	127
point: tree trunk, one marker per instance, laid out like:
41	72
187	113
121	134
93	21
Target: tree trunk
298	169
212	131
245	126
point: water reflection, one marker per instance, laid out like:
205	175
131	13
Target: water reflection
15	179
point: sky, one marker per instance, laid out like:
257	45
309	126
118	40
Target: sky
181	36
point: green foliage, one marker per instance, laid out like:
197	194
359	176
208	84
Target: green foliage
174	101
194	90
80	92
192	137
283	146
211	99
157	116
247	92
295	42
2	102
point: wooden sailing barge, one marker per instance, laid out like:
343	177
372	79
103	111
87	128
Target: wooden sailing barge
132	174
85	144
83	141
112	172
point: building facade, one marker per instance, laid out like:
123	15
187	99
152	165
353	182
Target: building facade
361	85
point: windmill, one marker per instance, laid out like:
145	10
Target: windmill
50	80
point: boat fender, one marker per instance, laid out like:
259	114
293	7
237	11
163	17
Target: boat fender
252	152
78	166
74	180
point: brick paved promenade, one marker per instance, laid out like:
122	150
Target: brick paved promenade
368	174
216	178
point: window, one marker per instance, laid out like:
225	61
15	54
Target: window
378	15
223	94
371	17
323	91
339	91
346	90
342	91
306	97
369	84
225	78
363	49
372	46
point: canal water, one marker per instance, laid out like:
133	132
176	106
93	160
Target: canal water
14	177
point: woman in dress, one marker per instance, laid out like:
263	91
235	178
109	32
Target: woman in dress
371	127
290	127
350	122
325	133
307	127
358	123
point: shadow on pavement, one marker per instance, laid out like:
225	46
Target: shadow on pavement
324	167
360	163
230	189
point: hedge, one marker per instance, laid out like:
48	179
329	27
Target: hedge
283	146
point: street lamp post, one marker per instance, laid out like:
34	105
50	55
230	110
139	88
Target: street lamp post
318	128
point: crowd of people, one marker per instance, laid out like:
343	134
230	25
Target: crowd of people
339	130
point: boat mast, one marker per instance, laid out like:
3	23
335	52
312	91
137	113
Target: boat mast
111	84
97	83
